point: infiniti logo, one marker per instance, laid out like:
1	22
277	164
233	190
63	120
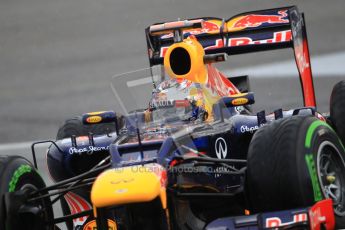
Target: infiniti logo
221	148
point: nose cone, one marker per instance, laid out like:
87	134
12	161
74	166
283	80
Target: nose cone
126	185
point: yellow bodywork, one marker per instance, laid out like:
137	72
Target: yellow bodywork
198	71
128	185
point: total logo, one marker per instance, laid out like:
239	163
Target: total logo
221	148
162	103
94	119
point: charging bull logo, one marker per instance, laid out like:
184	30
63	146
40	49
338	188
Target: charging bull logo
207	27
256	20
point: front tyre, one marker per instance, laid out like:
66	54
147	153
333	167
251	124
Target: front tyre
295	162
17	173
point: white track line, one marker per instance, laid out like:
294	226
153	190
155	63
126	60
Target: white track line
322	66
20	145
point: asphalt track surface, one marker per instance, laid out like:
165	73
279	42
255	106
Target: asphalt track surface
57	57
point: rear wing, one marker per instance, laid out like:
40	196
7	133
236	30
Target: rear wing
244	33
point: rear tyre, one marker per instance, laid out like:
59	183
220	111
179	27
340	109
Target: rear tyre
337	109
17	173
296	162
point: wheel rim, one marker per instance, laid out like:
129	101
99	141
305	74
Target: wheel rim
29	187
331	168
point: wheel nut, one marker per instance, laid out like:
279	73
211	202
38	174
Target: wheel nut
330	179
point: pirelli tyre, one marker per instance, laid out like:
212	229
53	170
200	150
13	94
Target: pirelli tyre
75	126
337	109
295	162
17	173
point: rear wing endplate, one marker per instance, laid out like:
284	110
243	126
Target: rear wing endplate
244	33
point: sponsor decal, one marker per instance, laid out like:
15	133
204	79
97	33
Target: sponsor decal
310	160
281	36
218	44
93	226
302	61
221	148
302	58
88	150
275	222
156	131
256	20
322	215
76	205
240	101
311	131
16	175
162	103
313	176
315	218
163	50
251	129
93	119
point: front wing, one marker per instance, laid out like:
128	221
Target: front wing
319	216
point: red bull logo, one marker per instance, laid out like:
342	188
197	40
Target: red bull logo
256	20
207	27
281	36
274	222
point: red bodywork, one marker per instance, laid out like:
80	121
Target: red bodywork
322	214
256	20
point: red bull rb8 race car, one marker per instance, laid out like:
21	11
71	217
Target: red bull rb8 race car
194	155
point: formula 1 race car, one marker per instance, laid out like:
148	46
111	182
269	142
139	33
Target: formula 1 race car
193	156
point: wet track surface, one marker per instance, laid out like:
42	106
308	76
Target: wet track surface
57	57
